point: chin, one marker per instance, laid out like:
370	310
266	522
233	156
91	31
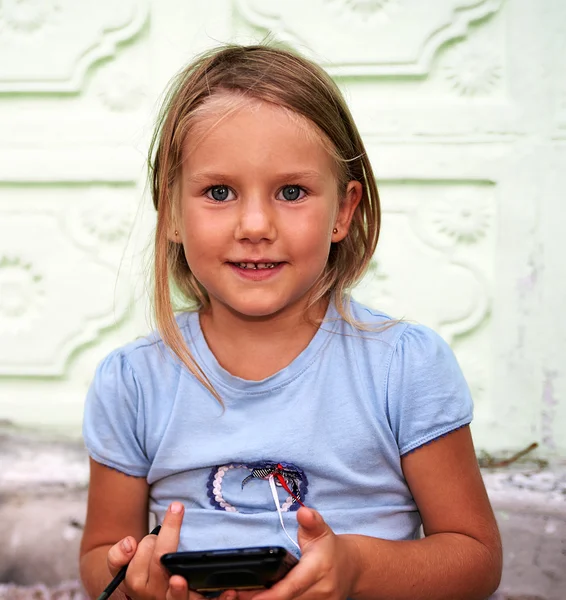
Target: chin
257	312
260	306
258	309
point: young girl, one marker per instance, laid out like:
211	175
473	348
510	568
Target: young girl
276	390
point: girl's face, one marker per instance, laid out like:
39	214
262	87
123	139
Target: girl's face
259	205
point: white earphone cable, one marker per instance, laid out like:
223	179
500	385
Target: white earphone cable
276	500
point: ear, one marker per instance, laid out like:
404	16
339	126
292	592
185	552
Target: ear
346	210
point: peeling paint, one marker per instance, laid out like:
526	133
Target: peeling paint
549	404
528	283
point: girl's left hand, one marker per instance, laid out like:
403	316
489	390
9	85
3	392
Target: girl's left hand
328	566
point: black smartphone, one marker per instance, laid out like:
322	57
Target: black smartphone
210	571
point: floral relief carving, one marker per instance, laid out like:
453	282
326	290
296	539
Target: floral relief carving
64	294
102	223
106	225
405	35
472	72
435	258
363	8
59	58
456	218
106	216
21	294
26	16
119	87
410	283
122	91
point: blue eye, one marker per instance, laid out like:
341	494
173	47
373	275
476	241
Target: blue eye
220	193
292	193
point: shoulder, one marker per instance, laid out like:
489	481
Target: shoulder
400	335
142	357
152	344
371	327
421	345
402	350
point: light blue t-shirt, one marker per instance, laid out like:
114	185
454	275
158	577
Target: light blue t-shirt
333	425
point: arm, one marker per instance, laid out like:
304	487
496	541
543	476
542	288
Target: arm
117	508
460	557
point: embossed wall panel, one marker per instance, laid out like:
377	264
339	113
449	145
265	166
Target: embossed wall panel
75	117
462	105
362	37
57	41
58	292
435	259
450	106
435	265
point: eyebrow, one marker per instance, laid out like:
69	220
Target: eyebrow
291	176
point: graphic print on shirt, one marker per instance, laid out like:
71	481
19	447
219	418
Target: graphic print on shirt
289	477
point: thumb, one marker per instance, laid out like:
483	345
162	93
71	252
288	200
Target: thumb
121	554
311	527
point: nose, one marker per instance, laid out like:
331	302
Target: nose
256	220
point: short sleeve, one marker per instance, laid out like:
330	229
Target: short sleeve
113	426
427	395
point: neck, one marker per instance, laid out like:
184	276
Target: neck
255	348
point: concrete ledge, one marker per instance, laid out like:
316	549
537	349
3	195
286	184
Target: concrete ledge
43	486
70	590
530	506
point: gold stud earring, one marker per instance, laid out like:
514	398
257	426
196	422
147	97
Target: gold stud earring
335	230
176	233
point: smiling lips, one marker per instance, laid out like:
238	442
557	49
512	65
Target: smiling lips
256	265
256	271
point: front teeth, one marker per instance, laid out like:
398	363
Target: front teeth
256	265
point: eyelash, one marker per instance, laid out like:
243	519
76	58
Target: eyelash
208	190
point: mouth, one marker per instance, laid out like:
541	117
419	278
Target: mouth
256	266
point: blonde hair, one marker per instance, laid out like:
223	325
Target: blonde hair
285	79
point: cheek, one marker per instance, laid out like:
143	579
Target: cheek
200	222
315	225
313	236
199	237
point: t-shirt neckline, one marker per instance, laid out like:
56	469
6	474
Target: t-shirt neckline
220	376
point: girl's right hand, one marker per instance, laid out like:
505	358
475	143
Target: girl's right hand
146	578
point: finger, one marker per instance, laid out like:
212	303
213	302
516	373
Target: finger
226	595
168	538
288	588
120	554
137	577
230	595
195	595
311	527
248	594
178	589
304	576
